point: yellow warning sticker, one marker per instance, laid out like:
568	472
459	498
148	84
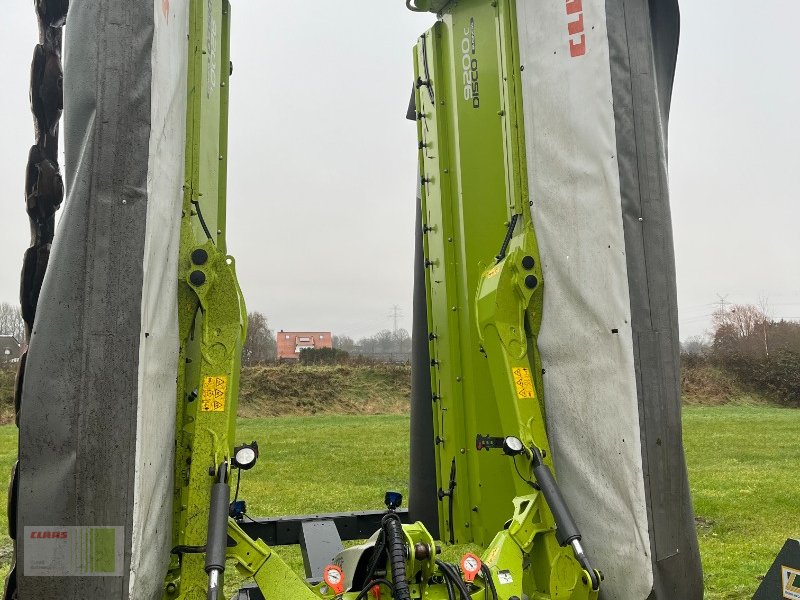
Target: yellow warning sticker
214	391
494	271
491	560
523	382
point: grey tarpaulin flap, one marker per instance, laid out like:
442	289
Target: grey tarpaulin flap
97	419
596	104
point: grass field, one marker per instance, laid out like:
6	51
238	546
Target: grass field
742	466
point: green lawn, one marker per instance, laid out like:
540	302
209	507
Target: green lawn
742	466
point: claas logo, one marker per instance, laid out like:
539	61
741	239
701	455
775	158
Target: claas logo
576	28
48	535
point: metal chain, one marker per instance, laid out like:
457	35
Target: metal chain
44	192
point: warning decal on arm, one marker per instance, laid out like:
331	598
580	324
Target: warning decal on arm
214	391
523	382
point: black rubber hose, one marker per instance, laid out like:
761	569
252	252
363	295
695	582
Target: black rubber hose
451	593
488	581
377	555
395	545
451	572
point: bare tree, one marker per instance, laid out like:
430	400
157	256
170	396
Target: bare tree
740	329
260	346
344	342
741	320
695	346
11	322
384	340
402	341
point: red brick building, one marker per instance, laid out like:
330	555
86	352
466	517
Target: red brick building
291	342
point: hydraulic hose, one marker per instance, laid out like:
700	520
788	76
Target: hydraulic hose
451	574
396	547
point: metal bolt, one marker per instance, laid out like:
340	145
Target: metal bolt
197	278
528	262
463	451
200	256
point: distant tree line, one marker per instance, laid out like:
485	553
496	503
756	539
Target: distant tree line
11	322
385	346
762	353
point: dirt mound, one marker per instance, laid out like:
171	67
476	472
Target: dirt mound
346	389
704	384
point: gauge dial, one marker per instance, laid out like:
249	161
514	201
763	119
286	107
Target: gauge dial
471	566
334	576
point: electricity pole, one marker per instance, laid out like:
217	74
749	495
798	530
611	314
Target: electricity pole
396	313
722	300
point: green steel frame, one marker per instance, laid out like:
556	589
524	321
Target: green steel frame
485	292
211	309
472	159
484	315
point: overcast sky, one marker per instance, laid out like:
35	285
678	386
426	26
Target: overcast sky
322	161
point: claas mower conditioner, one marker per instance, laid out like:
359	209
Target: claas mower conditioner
545	418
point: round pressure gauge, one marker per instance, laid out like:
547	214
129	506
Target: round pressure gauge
471	566
334	578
